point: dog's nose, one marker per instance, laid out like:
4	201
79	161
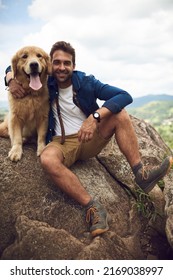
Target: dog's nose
34	65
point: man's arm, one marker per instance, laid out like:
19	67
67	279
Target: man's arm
115	98
15	88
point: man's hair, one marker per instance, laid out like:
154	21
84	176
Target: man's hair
66	47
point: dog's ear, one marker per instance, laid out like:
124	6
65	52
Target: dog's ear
14	65
49	64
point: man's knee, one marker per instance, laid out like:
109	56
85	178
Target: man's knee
45	158
109	125
121	119
50	157
122	116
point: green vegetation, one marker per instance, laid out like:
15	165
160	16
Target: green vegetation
160	115
145	205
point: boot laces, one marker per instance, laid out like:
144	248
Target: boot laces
146	171
92	215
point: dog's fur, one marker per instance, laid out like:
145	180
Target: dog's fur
28	115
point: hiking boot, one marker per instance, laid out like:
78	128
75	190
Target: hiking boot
147	177
97	216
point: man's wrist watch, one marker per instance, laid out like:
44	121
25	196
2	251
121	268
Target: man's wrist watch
96	116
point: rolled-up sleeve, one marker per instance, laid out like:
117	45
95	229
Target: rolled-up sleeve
8	69
115	98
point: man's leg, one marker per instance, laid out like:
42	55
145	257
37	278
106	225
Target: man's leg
64	178
121	126
68	182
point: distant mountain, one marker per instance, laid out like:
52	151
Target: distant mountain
141	101
158	111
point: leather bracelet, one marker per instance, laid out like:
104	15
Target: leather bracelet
9	81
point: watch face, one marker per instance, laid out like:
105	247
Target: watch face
96	115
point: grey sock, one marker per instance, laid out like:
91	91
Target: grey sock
136	167
90	203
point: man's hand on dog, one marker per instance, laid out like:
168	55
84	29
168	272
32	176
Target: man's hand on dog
16	89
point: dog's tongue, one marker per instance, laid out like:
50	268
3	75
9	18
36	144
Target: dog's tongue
35	83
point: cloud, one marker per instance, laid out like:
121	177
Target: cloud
106	8
106	25
138	35
125	43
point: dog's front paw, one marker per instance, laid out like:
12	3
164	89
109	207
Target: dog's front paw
15	153
40	149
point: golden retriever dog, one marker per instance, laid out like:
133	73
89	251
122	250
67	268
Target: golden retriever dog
28	115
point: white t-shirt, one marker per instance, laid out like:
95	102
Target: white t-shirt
72	116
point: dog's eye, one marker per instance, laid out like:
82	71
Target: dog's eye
24	56
39	55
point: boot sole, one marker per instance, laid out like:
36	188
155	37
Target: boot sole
99	231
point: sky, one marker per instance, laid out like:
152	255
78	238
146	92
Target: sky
125	43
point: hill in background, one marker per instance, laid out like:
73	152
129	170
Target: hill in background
158	111
141	101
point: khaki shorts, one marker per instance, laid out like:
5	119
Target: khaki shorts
74	150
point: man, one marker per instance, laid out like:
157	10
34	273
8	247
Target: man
79	129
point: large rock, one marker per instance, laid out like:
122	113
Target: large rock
38	221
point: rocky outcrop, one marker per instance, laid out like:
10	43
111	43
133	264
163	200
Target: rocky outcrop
38	221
